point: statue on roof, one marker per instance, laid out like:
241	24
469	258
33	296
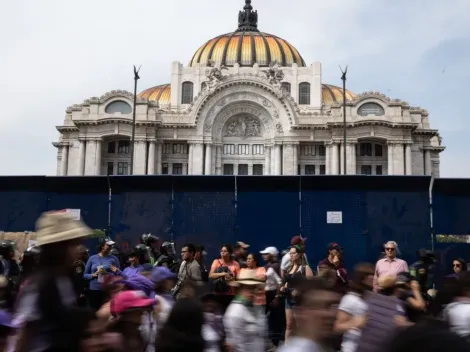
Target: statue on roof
214	74
248	19
275	76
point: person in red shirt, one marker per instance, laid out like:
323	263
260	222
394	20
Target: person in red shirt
334	262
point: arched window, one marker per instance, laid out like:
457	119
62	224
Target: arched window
203	85
286	86
304	93
187	93
371	109
118	106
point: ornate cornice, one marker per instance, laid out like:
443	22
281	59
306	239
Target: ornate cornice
426	132
120	94
67	128
390	124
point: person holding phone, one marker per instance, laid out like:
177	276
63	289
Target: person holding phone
97	268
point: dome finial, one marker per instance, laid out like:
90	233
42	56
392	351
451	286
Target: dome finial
248	19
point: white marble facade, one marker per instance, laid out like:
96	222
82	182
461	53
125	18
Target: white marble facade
246	118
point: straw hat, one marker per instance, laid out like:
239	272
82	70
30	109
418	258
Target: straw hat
53	227
248	278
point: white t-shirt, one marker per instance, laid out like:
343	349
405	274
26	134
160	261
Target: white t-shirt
458	316
354	305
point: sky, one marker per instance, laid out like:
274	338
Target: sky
56	53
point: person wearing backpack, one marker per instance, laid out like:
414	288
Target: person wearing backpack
223	270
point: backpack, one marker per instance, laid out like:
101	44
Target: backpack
220	285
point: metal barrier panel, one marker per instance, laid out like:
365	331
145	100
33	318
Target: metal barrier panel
140	204
268	211
22	200
204	212
333	216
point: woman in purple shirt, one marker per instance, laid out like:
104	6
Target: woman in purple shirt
134	267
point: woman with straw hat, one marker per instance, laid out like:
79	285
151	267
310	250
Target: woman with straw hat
245	329
47	308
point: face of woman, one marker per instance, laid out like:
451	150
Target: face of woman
106	249
294	256
250	261
224	253
457	266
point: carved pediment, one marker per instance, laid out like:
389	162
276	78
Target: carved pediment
120	94
243	126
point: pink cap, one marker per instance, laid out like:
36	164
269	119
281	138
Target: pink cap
128	300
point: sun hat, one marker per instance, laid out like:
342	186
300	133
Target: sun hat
160	273
386	282
57	226
270	250
247	278
130	300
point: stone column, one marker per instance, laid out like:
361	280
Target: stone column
327	159
341	158
81	157
390	158
218	160
98	157
295	151
398	159
185	168
250	169
64	161
159	147
140	157
235	169
198	158
278	159
351	158
190	158
288	159
267	160
208	159
334	158
170	168
408	164
427	162
90	158
151	158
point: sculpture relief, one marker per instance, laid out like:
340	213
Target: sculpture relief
243	126
279	128
214	75
275	75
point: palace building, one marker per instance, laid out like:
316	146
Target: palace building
246	104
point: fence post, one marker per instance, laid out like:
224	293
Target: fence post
431	209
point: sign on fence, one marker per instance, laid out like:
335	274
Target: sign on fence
334	217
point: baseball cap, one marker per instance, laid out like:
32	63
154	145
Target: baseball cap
334	245
128	300
160	273
243	245
110	242
270	250
297	240
138	283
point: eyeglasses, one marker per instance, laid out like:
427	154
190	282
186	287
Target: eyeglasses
456	265
182	252
390	249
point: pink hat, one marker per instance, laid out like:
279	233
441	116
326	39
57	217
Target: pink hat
128	300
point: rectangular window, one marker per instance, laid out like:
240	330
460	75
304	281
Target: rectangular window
164	169
258	149
366	149
322	169
304	93
307	149
187	93
379	170
112	147
243	169
167	148
243	149
366	170
229	149
110	168
180	148
123	168
123	147
177	169
228	169
321	150
378	150
309	169
258	169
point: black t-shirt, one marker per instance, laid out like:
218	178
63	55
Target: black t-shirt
414	315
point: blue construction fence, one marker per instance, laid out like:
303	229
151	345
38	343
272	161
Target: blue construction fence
358	212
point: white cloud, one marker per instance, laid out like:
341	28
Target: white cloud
57	53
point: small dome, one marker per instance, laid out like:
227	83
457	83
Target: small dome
334	95
160	94
246	49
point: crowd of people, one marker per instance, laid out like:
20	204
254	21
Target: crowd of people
58	298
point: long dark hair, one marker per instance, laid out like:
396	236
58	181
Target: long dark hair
180	333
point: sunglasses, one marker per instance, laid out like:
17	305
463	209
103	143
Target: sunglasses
390	249
456	265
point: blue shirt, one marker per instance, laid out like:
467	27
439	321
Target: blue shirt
92	267
130	271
